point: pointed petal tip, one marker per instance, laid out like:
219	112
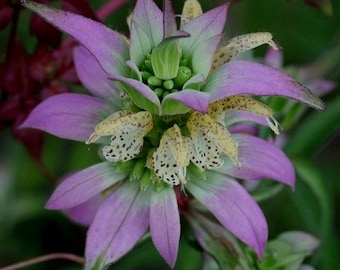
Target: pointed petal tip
52	204
260	251
25	124
316	103
246	77
49	205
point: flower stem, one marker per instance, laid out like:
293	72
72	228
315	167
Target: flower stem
54	256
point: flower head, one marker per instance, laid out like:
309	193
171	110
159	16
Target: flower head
158	106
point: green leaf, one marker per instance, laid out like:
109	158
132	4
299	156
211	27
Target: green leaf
314	131
266	191
311	176
221	245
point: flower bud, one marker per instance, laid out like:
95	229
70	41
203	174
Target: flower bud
184	74
168	84
138	169
165	60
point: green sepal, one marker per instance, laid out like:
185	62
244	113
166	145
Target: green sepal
124	166
145	180
140	100
159	185
138	170
173	107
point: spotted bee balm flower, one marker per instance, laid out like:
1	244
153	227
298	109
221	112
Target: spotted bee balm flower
158	106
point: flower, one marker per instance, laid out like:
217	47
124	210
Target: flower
158	105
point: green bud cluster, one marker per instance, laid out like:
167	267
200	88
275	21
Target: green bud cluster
163	87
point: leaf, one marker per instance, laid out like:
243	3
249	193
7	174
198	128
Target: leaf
315	130
311	176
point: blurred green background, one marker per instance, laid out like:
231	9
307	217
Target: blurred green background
305	33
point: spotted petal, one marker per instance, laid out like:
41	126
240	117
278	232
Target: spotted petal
127	130
171	157
233	207
113	50
69	116
244	77
165	224
208	139
241	44
128	137
121	221
191	9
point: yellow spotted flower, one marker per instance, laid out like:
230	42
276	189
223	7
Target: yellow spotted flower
158	105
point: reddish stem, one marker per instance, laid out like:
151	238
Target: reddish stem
54	256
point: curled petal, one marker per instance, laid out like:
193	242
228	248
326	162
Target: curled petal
165	224
217	109
196	100
261	160
123	122
241	44
273	58
69	116
244	77
121	221
233	207
83	185
141	94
